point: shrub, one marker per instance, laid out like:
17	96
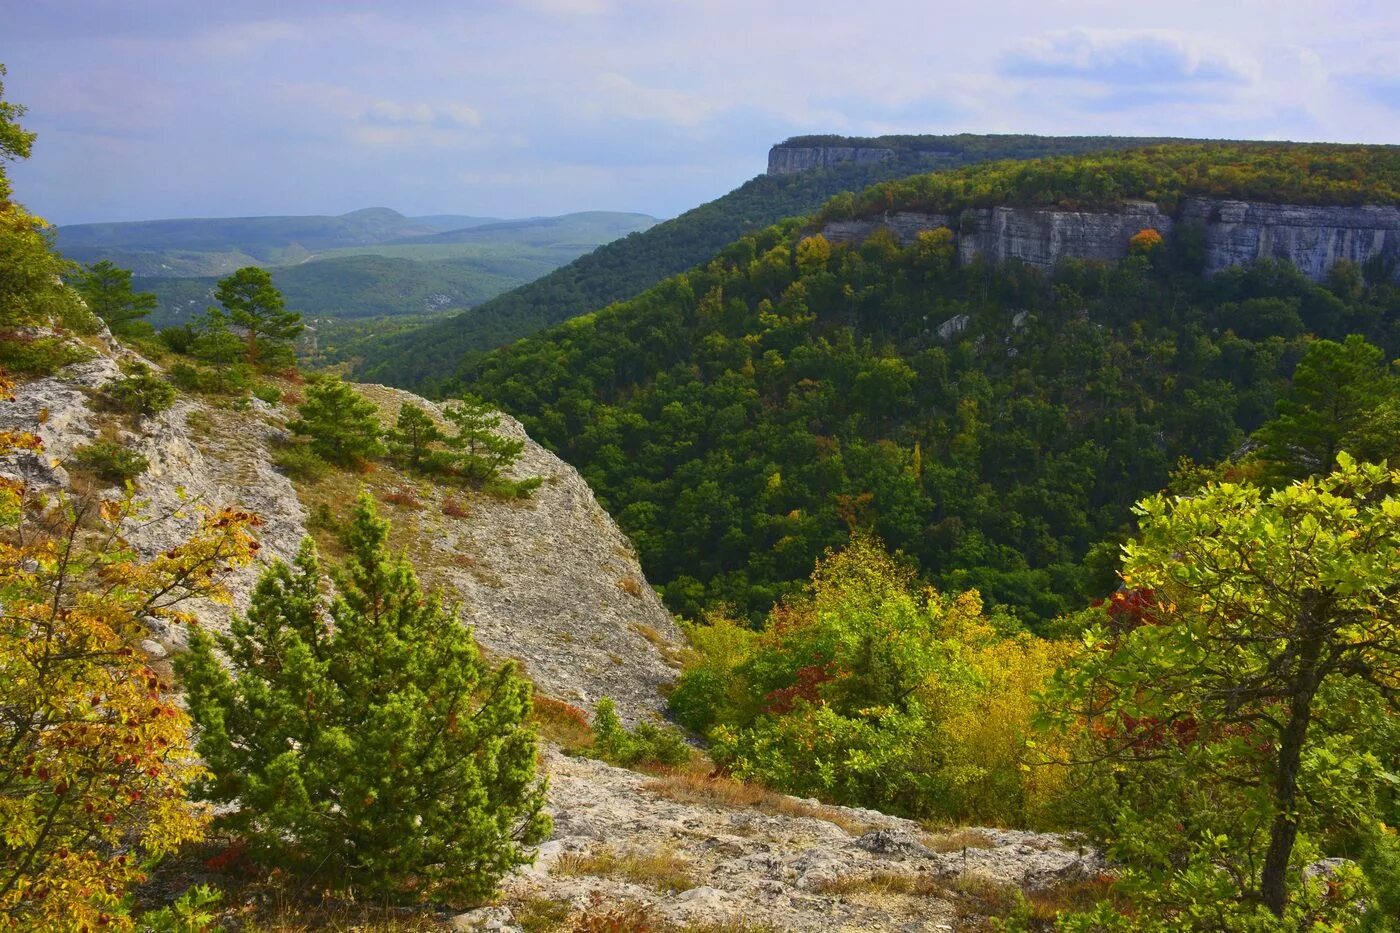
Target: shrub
218	380
299	461
343	426
109	460
647	744
97	757
40	356
873	690
362	741
267	392
141	392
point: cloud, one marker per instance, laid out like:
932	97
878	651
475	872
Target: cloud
620	96
1381	88
1120	59
446	116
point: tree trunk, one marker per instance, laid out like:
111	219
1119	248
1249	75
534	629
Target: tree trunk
1284	832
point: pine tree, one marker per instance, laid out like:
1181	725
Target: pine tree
253	303
481	453
412	436
107	290
365	742
343	426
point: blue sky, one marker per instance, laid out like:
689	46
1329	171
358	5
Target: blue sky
167	109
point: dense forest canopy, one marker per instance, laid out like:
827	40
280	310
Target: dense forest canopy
1279	173
993	424
629	266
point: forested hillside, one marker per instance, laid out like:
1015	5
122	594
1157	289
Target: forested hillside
994	425
631	265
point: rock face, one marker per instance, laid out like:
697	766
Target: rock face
1233	232
783	160
549	580
790	864
200	456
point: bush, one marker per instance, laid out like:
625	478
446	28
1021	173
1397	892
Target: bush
873	690
40	356
267	392
299	461
110	461
343	426
218	380
646	744
95	751
141	392
363	741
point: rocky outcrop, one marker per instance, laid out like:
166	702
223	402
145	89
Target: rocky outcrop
787	864
785	160
1233	233
1311	238
549	580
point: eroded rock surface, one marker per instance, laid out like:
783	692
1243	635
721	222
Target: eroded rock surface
1313	238
550	580
811	868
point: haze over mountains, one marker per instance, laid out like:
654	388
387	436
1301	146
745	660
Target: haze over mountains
377	261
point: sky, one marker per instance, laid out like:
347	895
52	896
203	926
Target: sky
172	108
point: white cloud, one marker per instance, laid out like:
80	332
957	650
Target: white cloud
1123	57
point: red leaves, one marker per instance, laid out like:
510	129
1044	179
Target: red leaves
809	678
1130	609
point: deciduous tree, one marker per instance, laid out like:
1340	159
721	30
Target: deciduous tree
94	754
1247	704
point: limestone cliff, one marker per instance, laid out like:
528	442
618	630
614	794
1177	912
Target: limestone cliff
788	160
550	581
1313	238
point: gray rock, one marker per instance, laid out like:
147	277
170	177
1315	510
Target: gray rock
486	918
1312	238
788	160
953	326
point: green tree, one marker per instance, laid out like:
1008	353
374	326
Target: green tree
15	141
107	290
365	742
1344	398
343	425
1246	705
481	453
410	440
30	271
253	304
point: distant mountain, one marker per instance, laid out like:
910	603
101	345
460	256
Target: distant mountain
368	262
428	357
267	240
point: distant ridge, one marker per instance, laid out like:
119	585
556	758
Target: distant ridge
430	356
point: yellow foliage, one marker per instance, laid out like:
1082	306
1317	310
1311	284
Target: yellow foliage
1144	241
813	253
97	755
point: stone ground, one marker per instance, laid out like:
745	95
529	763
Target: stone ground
621	839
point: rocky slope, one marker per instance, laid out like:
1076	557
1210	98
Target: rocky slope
550	580
670	851
1312	238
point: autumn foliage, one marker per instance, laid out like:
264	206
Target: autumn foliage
97	755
